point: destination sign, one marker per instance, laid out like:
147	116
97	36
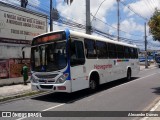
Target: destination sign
48	38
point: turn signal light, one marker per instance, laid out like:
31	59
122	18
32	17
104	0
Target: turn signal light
61	87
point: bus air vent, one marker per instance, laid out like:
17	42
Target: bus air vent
46	86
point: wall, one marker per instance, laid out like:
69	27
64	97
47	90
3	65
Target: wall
18	26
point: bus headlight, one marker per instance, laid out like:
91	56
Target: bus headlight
62	78
33	79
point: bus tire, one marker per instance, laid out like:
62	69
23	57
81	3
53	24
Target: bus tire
92	85
94	81
129	73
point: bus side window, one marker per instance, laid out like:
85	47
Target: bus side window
90	49
112	50
77	53
120	51
129	49
135	53
101	49
126	50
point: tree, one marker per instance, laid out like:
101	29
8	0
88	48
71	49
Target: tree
154	25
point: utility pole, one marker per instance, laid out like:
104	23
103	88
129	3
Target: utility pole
118	24
145	37
51	22
88	21
24	3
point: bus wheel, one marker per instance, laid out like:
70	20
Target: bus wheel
92	85
128	74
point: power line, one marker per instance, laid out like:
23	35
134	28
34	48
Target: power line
149	5
95	17
116	28
129	7
98	10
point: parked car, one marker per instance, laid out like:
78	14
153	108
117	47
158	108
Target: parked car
157	59
151	59
142	61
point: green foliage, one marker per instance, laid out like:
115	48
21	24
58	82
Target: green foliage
154	25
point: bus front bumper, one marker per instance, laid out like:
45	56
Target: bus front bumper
64	87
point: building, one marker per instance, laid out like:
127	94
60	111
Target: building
18	26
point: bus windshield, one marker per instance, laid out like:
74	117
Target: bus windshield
49	57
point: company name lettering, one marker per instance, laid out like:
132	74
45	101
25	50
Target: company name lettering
103	67
24	21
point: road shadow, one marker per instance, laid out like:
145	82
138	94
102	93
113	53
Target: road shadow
75	96
156	90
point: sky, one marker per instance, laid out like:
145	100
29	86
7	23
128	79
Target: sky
131	24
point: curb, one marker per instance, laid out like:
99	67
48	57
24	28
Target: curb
148	68
5	84
23	95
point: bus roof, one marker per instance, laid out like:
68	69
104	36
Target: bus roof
83	35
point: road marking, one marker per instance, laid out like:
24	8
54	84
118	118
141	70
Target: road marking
21	118
153	109
53	107
44	110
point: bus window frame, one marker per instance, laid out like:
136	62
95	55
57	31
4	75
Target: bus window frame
94	49
74	41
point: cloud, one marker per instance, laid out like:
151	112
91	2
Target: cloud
34	2
10	1
77	11
106	6
130	25
145	8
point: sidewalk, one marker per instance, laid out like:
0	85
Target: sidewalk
142	67
12	90
13	87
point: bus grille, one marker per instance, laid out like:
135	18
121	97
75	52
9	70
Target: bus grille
46	86
47	81
46	76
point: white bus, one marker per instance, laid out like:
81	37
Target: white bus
68	61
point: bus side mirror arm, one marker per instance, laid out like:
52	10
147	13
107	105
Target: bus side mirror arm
23	54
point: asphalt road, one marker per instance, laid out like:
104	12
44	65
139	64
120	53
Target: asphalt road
140	94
